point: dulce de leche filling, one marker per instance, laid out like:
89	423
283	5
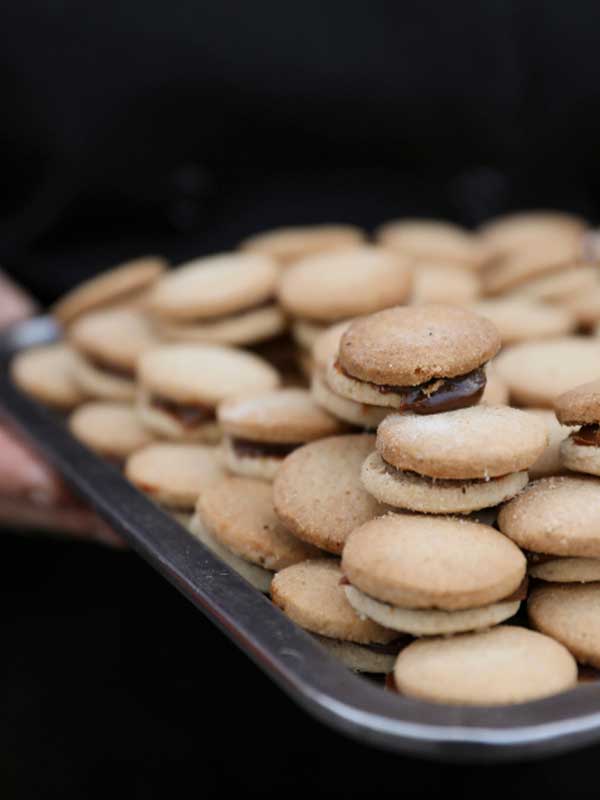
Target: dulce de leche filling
188	415
110	369
588	435
247	448
436	395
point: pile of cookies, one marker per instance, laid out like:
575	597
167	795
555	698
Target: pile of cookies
397	437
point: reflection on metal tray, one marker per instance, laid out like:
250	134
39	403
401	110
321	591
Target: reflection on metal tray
349	703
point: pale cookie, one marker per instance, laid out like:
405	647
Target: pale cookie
565	570
359	414
46	373
438	282
434	240
287	245
520	229
111	429
244	328
518	320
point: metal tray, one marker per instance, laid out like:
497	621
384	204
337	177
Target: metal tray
348	703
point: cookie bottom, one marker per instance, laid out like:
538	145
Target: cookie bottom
430	622
357	657
566	570
580	457
419	493
360	414
101	384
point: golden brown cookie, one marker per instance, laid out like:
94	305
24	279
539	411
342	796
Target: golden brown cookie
47	373
112	430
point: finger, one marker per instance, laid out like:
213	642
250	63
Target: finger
15	304
24	474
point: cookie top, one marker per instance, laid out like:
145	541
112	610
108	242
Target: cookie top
318	493
327	344
112	286
538	372
439	282
434	239
310	593
280	415
47	374
204	374
239	513
286	245
415	561
517	230
113	336
214	286
334	286
476	442
557	515
579	406
407	346
504	665
174	474
518	319
111	429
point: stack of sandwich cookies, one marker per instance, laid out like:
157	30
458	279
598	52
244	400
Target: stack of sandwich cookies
47	373
432	575
113	430
318	494
456	462
287	245
324	289
312	595
557	522
109	343
420	359
261	429
235	518
580	451
180	387
220	299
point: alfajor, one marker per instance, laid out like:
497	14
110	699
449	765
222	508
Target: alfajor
318	494
420	359
235	518
47	373
181	385
457	462
113	430
222	299
571	615
439	282
580	451
287	245
432	575
312	596
260	429
518	320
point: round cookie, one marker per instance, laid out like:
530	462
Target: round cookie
174	474
549	462
559	516
113	430
418	562
246	327
565	570
434	240
585	307
239	513
287	245
318	493
518	320
358	414
537	372
117	285
580	405
505	665
561	287
335	286
46	373
580	451
438	282
578	457
518	230
571	615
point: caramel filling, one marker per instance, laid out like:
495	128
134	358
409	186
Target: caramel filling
126	373
188	415
454	482
588	435
246	448
436	395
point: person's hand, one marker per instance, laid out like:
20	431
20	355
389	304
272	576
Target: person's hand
32	494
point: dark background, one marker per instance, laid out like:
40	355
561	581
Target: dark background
180	127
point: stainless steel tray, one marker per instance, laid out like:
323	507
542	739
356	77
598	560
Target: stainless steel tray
299	666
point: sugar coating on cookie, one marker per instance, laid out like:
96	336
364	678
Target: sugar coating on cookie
47	373
113	430
505	665
318	493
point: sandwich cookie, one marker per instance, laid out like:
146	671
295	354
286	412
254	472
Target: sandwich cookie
47	373
561	287
435	282
174	474
548	463
221	299
109	343
571	615
324	350
435	240
318	494
520	319
312	595
453	463
580	451
260	430
180	387
287	245
519	230
432	575
420	359
113	430
557	521
125	283
327	288
236	515
536	373
506	665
